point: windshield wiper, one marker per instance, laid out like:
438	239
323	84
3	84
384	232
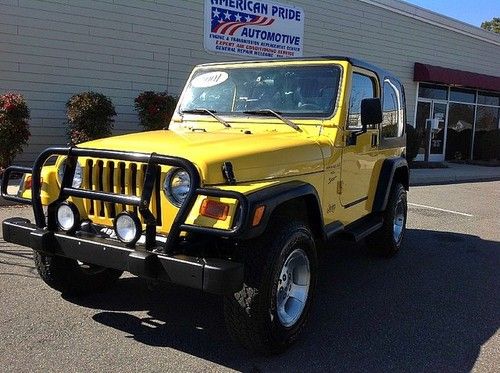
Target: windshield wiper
269	112
209	112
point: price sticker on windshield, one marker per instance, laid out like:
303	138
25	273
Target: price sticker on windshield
209	79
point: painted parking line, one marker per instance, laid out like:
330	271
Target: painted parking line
443	210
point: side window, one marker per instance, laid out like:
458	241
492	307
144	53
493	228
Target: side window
392	123
362	87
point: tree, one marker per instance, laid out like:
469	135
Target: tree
493	25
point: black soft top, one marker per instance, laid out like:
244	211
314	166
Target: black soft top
381	73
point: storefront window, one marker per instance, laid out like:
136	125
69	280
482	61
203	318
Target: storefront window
459	135
462	95
487	135
471	119
436	92
486	98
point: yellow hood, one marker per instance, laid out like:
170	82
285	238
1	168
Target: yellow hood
255	156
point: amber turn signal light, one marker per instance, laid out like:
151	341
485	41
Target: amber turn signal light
214	209
257	216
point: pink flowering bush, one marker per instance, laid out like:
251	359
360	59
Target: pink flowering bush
14	127
155	109
90	117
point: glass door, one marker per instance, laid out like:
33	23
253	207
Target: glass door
432	109
438	139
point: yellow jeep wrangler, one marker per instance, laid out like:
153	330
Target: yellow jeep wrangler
263	164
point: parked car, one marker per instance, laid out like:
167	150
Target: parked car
263	164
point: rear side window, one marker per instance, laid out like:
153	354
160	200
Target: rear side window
392	123
363	87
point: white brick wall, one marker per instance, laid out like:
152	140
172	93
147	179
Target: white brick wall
50	50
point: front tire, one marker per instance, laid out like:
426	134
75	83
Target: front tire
270	311
388	239
71	277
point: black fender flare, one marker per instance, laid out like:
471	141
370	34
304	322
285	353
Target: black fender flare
391	168
275	196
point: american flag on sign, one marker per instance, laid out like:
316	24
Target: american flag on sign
227	22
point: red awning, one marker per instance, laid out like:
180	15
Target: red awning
443	75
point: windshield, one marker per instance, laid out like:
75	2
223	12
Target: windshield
294	91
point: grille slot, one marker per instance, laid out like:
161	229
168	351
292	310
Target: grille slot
109	174
122	182
133	183
100	186
156	197
121	178
89	173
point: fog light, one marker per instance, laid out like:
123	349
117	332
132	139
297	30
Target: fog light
128	228
67	216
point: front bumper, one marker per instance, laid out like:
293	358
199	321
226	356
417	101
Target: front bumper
215	276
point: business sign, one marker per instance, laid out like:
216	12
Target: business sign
253	28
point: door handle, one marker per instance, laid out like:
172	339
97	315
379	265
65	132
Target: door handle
374	140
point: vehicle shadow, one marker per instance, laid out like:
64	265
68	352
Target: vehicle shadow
19	258
430	308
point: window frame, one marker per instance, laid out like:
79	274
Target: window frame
400	112
376	92
209	67
399	141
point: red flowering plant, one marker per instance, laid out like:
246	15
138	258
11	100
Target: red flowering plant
155	109
90	117
14	127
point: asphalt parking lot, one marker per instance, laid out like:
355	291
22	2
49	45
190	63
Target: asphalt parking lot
435	307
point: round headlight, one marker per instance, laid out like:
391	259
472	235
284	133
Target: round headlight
128	228
67	216
77	179
177	186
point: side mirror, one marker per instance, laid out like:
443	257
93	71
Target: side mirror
12	180
371	112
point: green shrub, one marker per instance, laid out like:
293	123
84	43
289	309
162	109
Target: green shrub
14	127
155	109
413	139
90	116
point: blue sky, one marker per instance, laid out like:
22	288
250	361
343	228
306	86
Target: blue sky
473	12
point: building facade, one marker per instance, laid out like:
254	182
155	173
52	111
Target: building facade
50	50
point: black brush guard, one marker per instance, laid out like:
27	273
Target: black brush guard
212	275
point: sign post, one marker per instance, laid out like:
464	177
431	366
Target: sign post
261	29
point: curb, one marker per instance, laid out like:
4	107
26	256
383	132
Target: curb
456	180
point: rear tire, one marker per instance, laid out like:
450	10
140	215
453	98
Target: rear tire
70	277
270	311
387	241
